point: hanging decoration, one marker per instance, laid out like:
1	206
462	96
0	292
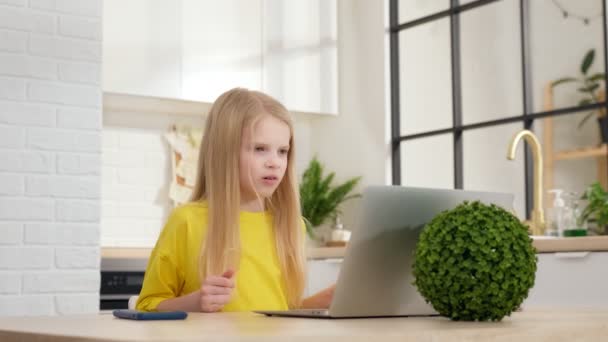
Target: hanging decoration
184	142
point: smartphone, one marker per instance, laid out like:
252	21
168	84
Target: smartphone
149	316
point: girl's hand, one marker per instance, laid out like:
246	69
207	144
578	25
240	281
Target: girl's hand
217	291
320	300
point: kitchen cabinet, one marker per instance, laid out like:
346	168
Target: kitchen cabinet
141	47
301	54
197	49
322	273
570	279
221	47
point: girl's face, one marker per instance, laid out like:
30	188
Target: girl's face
263	160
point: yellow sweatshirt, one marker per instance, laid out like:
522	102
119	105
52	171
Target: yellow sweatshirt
172	269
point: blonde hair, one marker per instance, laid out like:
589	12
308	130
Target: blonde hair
218	183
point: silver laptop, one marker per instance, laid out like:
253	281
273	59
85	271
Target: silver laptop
376	278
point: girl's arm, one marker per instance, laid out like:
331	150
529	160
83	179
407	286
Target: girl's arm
320	300
190	303
215	292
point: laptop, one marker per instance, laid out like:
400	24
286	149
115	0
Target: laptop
376	277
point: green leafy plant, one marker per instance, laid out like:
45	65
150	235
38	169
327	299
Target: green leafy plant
597	207
319	198
475	262
588	84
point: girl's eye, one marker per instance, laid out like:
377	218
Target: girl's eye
259	148
283	151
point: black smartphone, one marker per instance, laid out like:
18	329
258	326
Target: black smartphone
149	316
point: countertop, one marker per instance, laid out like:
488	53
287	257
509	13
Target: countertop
128	252
551	325
571	244
542	245
136	259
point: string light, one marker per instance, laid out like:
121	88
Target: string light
568	14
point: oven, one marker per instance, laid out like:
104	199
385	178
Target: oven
121	278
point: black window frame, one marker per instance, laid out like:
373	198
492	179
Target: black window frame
527	118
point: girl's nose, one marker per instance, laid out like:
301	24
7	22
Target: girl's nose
272	162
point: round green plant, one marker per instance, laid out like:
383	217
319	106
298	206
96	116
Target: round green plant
475	262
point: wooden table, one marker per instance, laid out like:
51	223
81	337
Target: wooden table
529	325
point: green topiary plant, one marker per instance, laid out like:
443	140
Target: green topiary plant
319	198
475	262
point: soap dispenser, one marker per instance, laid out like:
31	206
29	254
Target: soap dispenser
556	214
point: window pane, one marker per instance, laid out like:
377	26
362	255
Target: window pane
486	167
411	9
574	156
429	170
554	58
491	62
425	77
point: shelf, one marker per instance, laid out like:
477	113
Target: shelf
128	103
586	152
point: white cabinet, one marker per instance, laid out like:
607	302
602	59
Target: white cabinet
322	273
197	49
573	279
221	47
301	54
141	47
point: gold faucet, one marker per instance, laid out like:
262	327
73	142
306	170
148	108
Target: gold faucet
537	226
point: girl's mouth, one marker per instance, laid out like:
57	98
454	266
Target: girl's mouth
270	180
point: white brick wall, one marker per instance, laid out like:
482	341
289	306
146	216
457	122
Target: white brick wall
135	176
50	156
79	28
13	41
12	233
20	3
27	20
12	89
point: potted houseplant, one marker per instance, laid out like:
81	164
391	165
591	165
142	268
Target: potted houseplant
475	262
320	199
588	84
596	210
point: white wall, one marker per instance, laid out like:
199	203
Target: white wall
355	143
50	120
136	173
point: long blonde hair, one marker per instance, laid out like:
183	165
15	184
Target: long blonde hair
218	183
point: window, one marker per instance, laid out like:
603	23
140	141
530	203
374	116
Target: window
467	75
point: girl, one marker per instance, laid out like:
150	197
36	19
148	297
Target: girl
239	244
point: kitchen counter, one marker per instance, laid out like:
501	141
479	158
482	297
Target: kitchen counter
542	245
571	244
555	326
112	257
129	252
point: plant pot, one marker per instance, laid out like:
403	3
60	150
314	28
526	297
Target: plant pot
603	123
